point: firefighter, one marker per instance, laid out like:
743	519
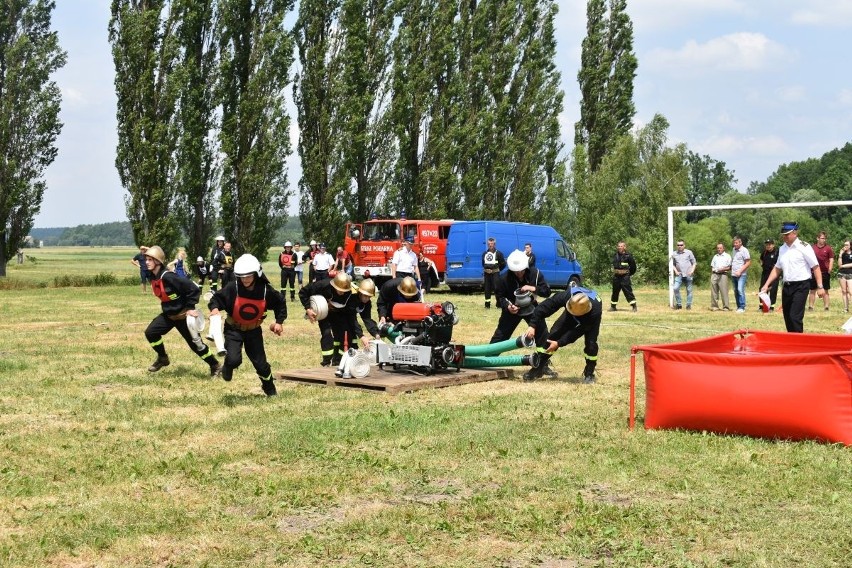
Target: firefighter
340	324
392	292
217	259
366	291
521	284
492	263
287	263
246	300
623	267
178	297
581	318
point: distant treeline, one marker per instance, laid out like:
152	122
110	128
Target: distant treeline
119	233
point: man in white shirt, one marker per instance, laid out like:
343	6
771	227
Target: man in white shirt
322	262
720	267
404	261
740	261
798	263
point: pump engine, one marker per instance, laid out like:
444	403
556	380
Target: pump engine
422	338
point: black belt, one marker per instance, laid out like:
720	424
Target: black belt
808	282
404	274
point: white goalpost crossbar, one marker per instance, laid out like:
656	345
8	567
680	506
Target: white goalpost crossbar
671	211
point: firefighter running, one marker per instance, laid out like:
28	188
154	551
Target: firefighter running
246	300
178	297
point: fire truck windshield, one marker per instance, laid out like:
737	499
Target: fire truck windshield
382	231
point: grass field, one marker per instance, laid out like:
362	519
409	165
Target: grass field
104	464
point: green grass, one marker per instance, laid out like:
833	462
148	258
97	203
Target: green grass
103	464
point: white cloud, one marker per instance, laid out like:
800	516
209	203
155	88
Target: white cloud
730	145
733	52
824	13
651	15
845	97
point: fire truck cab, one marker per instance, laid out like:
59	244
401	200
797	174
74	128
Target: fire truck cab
373	243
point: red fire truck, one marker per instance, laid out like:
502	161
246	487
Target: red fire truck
373	243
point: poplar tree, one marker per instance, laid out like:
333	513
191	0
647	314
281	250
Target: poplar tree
255	58
196	178
315	91
145	53
608	68
29	115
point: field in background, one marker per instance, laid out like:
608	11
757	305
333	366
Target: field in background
104	464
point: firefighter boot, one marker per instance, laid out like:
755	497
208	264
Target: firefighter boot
268	387
589	374
227	373
215	368
162	361
538	372
326	360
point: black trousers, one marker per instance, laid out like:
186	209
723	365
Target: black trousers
794	297
333	334
509	322
161	325
567	330
773	288
622	284
288	280
491	284
252	340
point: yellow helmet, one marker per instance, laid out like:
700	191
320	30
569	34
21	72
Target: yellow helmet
367	287
408	287
579	304
156	253
341	282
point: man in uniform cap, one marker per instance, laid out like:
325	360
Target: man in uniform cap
798	263
581	318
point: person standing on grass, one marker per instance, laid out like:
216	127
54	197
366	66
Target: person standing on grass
844	274
768	258
740	261
203	271
825	257
493	262
798	263
623	267
217	260
246	300
683	262
299	263
178	297
139	262
720	266
287	263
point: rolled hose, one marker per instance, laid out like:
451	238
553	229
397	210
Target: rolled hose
504	361
499	347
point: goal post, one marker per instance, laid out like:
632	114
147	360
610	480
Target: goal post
671	211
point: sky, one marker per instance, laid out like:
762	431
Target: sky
752	83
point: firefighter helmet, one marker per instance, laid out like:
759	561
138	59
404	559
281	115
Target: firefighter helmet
156	253
199	259
288	244
247	264
313	242
408	287
367	287
518	260
220	238
342	282
579	304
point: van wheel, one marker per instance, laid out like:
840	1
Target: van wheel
574	281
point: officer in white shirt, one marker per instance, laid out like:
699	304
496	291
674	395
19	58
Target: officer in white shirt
322	263
798	263
404	261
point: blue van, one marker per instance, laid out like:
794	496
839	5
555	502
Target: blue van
467	241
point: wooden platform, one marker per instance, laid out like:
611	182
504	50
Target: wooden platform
394	382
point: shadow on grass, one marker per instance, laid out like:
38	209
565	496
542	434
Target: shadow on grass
233	400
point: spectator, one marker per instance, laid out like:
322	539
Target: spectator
139	262
683	262
493	262
825	257
623	267
404	261
844	273
299	255
217	259
322	263
768	258
343	262
740	261
178	265
720	266
529	252
428	271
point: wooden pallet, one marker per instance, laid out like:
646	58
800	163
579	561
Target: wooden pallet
394	382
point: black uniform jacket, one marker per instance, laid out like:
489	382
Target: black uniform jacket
556	302
182	292
225	298
508	283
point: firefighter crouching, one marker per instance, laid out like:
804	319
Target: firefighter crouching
178	297
340	322
395	291
246	299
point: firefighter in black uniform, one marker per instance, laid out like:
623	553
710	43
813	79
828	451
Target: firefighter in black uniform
395	291
178	296
217	259
287	263
203	271
366	291
526	281
492	263
768	260
623	267
581	318
247	300
339	325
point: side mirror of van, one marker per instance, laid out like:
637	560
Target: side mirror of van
572	255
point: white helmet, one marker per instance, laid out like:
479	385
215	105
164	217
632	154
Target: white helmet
247	264
313	242
518	261
220	238
199	259
288	244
